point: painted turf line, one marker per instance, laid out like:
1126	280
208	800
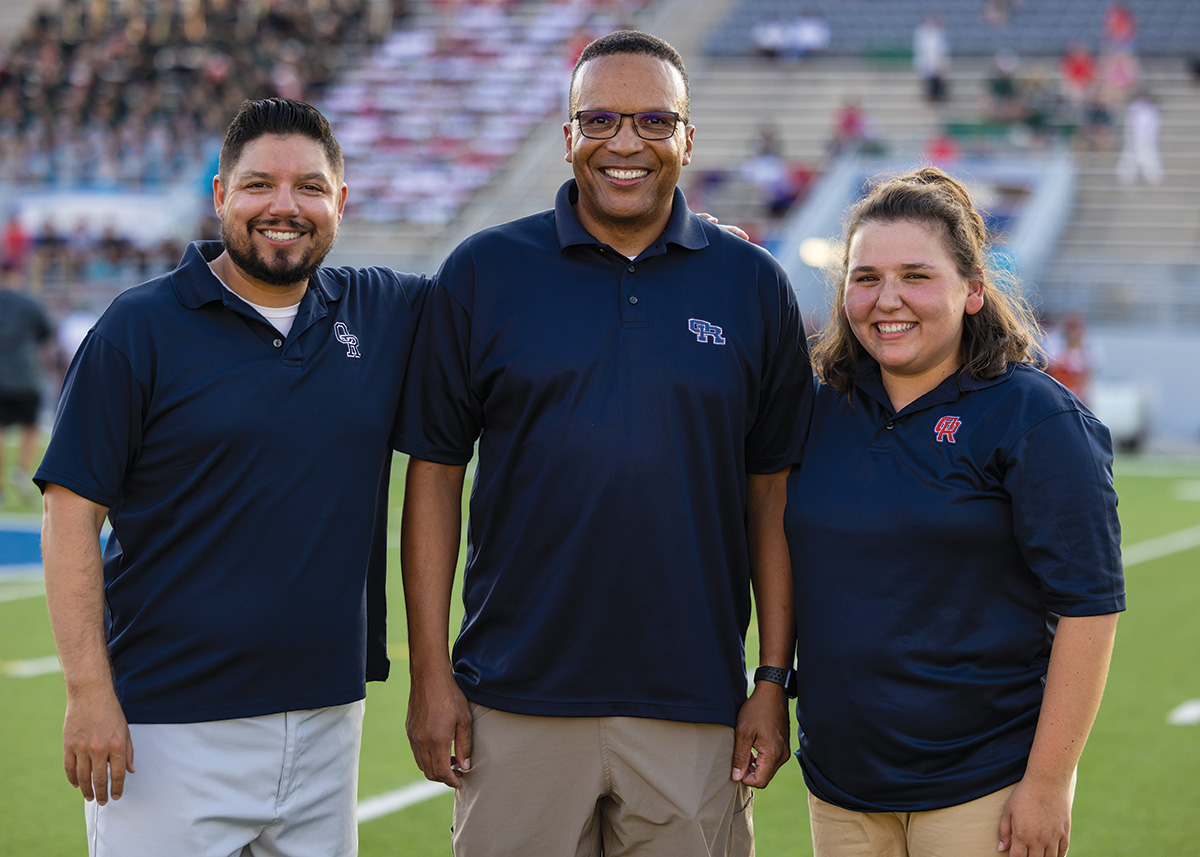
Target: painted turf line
31	668
1187	714
389	802
1172	543
20	582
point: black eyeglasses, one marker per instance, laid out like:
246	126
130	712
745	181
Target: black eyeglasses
603	124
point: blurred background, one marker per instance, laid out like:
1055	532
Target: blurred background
1075	122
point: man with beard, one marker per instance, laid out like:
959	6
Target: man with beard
233	420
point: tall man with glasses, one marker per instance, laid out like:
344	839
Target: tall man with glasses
638	385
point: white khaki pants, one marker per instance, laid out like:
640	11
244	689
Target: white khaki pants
283	785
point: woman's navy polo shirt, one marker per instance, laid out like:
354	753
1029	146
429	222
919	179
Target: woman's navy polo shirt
619	406
246	479
933	550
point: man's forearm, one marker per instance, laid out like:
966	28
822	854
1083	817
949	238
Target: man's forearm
75	587
770	568
430	534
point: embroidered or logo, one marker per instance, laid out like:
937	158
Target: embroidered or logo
706	332
945	428
347	338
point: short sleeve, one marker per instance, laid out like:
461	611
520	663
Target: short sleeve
98	426
440	417
776	441
1059	476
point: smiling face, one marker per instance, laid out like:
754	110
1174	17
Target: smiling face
626	183
279	210
905	302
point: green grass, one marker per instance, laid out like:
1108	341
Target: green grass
1138	786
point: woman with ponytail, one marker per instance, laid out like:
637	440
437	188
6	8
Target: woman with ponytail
955	548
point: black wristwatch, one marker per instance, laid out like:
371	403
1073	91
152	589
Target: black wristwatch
787	678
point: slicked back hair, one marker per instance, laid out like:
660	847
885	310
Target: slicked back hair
633	42
278	117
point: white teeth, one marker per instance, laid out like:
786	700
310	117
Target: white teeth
626	175
896	327
280	236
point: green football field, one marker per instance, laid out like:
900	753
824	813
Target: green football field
1139	783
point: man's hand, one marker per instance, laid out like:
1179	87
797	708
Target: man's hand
732	230
439	729
762	727
1037	820
97	745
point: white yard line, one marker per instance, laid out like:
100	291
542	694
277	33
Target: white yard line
1172	543
385	804
31	668
1185	714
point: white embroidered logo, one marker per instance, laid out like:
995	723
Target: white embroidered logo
347	338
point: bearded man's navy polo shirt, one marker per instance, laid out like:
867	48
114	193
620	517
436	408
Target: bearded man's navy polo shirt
246	479
933	551
619	406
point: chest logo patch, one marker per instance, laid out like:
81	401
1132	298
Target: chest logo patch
347	338
945	429
706	331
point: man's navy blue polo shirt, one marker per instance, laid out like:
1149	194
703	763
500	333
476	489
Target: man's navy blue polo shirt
246	479
619	406
933	550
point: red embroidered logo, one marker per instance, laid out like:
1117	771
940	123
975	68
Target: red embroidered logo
946	428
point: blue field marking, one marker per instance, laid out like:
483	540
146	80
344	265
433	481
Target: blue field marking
19	547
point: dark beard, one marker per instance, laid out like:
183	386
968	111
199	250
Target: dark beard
255	266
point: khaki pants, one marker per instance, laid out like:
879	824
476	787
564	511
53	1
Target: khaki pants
969	829
587	786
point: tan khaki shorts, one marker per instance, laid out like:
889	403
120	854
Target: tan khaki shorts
969	829
563	786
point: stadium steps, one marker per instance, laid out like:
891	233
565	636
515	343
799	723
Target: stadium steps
529	180
1131	251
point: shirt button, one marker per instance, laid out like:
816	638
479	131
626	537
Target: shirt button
633	299
277	343
631	269
890	425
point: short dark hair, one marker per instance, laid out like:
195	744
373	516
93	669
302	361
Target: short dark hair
633	42
281	117
1003	332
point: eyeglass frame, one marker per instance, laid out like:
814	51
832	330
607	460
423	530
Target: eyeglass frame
633	116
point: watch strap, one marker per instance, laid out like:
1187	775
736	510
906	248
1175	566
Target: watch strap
784	677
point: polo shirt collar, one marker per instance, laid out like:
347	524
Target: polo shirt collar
684	228
870	382
196	285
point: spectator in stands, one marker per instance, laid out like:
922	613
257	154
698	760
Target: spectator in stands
1077	70
853	130
1004	101
1139	154
806	35
77	82
768	171
1119	73
16	244
228	630
1072	356
931	57
957	585
1120	28
578	526
24	328
1097	123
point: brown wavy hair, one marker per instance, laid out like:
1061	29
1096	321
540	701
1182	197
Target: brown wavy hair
1003	332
